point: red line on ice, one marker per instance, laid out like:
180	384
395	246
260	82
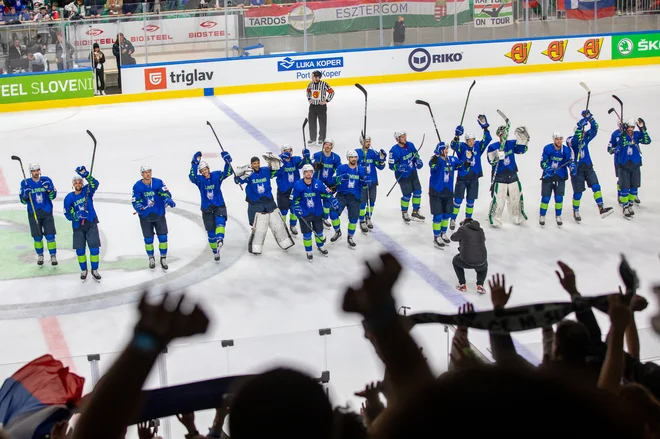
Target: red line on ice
4	189
54	337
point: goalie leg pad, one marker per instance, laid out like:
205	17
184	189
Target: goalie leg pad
497	204
280	230
259	231
516	202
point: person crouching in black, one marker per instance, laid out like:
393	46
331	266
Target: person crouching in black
472	254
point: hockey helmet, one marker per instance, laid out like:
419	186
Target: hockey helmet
330	141
307	167
317	73
398	134
145	168
469	136
557	135
76	178
500	131
363	140
286	147
629	123
35	167
203	165
351	153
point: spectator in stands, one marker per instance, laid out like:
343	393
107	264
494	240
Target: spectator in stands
130	6
399	32
53	11
12	17
98	62
123	50
76	10
17	57
61	54
96	8
37	61
42	15
114	7
38	45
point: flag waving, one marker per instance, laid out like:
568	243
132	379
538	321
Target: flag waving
584	9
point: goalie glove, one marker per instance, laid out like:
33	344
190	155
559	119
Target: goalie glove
243	171
274	162
641	124
522	136
497	155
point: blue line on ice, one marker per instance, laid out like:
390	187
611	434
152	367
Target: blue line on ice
407	258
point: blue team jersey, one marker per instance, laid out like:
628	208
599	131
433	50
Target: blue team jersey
628	153
403	157
557	159
473	155
75	203
330	165
148	199
41	197
579	144
352	185
258	184
310	198
442	174
508	163
371	161
288	174
210	188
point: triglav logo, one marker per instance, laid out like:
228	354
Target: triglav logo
625	47
155	79
591	48
420	59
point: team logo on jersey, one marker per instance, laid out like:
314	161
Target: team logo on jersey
447	177
310	202
40	197
591	48
155	78
351	184
325	173
209	195
556	50
507	160
316	94
290	177
519	52
468	154
261	189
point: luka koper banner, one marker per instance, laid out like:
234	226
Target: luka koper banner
336	16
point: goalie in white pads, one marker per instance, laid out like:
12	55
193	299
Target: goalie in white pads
505	184
262	210
308	198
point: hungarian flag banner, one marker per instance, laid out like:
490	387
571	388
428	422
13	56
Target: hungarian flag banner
584	9
336	16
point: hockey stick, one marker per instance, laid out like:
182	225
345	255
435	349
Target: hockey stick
560	167
502	143
223	150
584	86
612	110
466	101
20	162
397	180
304	138
364	129
91	170
427	105
616	98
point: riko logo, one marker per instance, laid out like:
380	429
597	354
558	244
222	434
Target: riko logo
94	32
556	50
420	59
151	28
208	24
520	52
155	78
591	48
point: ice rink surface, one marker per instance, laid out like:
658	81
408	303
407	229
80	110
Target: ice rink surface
272	305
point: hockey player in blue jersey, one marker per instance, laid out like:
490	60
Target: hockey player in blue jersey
79	209
325	164
556	160
286	177
150	197
441	191
38	193
350	178
404	160
579	144
262	210
467	182
372	161
308	197
629	162
614	140
214	210
506	185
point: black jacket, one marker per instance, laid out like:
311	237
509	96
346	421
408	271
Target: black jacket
471	243
399	32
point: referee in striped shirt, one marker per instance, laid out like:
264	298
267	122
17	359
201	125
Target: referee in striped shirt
319	93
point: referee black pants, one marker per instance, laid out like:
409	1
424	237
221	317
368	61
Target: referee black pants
320	112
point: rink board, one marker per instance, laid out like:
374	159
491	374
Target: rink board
372	66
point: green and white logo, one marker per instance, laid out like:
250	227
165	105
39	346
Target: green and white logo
625	47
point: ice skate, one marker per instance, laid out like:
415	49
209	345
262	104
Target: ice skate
96	275
350	241
637	200
560	222
294	230
310	256
40	259
576	216
418	215
336	236
605	211
327	224
369	224
216	256
626	213
323	251
53	260
452	224
219	243
542	220
406	217
163	263
363	227
152	262
83	275
445	238
438	243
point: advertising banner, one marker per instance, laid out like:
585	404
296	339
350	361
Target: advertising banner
158	31
635	46
493	13
333	16
363	63
46	86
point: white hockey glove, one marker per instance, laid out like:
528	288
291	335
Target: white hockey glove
496	155
243	171
522	136
273	161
